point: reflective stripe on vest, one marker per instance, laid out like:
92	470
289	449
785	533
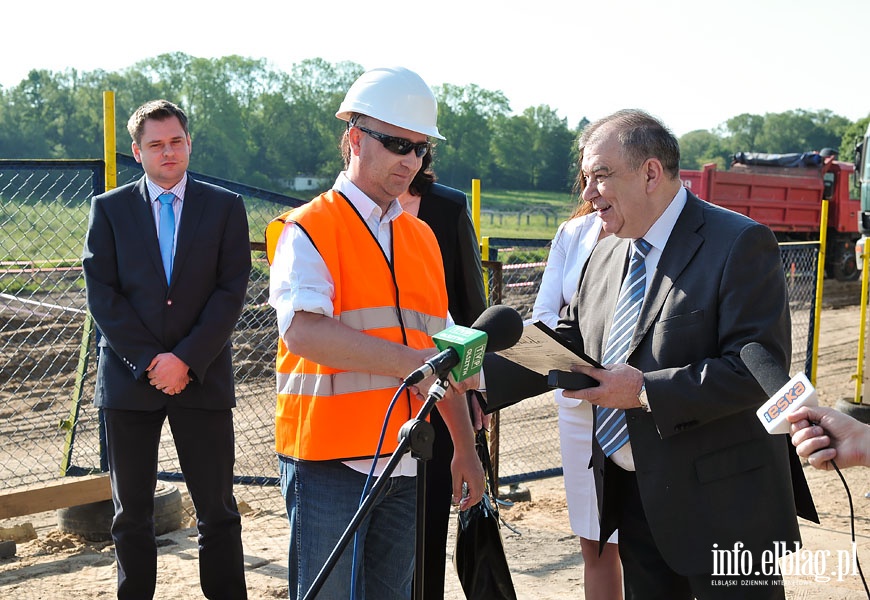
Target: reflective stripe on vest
345	382
363	319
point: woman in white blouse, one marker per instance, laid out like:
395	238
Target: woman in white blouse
569	250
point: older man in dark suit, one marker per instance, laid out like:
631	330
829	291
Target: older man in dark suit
166	265
683	467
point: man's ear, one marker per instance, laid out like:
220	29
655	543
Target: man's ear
353	137
134	147
654	173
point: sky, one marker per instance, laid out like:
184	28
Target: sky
692	63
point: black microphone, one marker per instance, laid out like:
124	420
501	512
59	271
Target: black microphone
786	394
462	348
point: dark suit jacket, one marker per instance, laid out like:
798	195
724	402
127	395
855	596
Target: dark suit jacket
140	316
445	210
707	471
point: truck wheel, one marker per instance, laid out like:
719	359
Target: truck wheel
93	521
844	265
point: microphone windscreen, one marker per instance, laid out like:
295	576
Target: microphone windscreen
766	371
502	324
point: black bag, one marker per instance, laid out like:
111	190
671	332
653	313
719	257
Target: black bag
479	557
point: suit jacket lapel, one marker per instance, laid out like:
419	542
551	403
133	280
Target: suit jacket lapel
599	286
682	245
194	204
144	218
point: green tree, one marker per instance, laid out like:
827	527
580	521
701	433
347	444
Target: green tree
741	133
513	152
800	131
700	147
851	136
309	138
465	117
51	115
552	149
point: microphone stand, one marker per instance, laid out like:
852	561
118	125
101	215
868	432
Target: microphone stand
417	435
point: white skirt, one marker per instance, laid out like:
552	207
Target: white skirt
575	436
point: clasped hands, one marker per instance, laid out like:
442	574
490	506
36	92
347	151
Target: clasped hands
168	373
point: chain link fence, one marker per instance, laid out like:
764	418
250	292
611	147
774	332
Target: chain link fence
48	424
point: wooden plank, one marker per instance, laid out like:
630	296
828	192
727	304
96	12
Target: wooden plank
55	494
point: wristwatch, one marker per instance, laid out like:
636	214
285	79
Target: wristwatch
641	397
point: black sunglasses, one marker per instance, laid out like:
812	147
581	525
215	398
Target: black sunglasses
397	145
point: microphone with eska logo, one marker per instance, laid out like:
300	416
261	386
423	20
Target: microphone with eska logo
785	394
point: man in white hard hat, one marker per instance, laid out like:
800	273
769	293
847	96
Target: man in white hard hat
358	288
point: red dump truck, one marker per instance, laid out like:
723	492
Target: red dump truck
785	192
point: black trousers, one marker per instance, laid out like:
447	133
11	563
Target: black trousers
206	451
645	572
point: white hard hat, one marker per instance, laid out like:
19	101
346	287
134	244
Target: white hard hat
394	95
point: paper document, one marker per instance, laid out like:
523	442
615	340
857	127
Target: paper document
542	350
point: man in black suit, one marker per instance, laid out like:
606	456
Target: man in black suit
698	473
166	265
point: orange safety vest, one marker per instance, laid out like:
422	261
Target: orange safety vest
324	413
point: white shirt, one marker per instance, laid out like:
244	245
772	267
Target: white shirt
657	236
300	281
569	251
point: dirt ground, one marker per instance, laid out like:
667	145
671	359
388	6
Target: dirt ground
544	555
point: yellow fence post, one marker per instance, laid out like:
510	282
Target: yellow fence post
865	277
109	140
820	286
475	207
483	243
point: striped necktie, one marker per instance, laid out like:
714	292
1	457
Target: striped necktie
166	231
610	430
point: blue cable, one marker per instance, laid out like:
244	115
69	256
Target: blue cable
354	562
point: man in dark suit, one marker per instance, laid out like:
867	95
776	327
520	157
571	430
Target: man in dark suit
166	282
698	474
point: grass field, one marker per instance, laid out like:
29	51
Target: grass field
526	214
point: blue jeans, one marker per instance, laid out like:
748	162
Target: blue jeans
321	499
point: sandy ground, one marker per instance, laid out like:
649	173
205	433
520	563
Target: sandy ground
544	556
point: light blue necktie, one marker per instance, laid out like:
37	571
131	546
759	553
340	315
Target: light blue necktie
166	232
610	429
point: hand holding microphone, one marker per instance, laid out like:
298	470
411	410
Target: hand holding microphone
462	348
821	434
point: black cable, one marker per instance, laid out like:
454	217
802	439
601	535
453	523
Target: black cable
852	524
